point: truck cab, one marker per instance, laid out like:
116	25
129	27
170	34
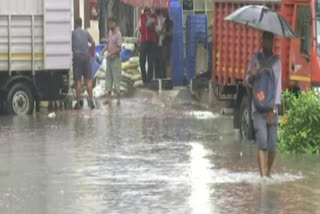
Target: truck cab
304	53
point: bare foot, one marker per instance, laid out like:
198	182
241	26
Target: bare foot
269	175
264	179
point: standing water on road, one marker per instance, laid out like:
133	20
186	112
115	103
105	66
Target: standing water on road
142	158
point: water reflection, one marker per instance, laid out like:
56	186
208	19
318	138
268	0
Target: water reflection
201	178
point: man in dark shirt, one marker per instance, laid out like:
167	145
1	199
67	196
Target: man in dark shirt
81	61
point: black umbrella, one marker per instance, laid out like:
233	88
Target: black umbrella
262	18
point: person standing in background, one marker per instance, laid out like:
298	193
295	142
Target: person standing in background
113	48
81	62
148	43
167	42
159	59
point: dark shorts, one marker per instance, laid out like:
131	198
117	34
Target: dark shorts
266	135
82	67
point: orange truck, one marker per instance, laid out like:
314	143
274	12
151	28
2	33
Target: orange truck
234	46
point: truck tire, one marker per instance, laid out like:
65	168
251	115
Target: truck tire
245	119
20	99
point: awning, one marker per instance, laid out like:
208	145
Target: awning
148	3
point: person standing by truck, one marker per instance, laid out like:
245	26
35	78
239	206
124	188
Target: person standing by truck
81	62
264	78
113	48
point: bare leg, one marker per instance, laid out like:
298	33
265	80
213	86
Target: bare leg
271	157
262	162
79	89
78	106
90	88
90	92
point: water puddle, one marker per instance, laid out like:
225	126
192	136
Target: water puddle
203	115
139	159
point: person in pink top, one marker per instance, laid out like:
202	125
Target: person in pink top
113	48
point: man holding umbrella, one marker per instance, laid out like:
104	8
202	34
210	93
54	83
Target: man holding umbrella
265	120
264	79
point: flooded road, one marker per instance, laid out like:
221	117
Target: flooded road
141	158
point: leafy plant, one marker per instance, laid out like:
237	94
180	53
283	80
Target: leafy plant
300	127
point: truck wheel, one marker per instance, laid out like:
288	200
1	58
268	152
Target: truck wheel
245	122
20	100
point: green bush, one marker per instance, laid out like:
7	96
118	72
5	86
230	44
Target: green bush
300	127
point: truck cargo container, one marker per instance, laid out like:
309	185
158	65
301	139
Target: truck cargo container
234	46
35	52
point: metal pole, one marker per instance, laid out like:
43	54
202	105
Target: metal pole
32	42
9	45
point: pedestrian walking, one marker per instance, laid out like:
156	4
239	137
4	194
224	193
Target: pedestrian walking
148	44
264	78
113	48
81	62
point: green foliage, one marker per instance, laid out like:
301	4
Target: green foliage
300	128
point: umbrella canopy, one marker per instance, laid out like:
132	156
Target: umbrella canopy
262	18
148	3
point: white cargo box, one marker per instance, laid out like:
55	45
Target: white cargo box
35	35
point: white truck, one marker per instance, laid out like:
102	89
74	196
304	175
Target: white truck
35	52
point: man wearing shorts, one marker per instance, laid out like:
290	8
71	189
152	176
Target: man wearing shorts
265	124
81	62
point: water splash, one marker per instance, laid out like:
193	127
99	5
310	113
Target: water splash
224	176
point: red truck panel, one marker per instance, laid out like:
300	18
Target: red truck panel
286	10
234	44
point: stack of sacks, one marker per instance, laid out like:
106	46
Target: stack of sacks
131	71
132	40
131	75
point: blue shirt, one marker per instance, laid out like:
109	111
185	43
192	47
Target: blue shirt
277	73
